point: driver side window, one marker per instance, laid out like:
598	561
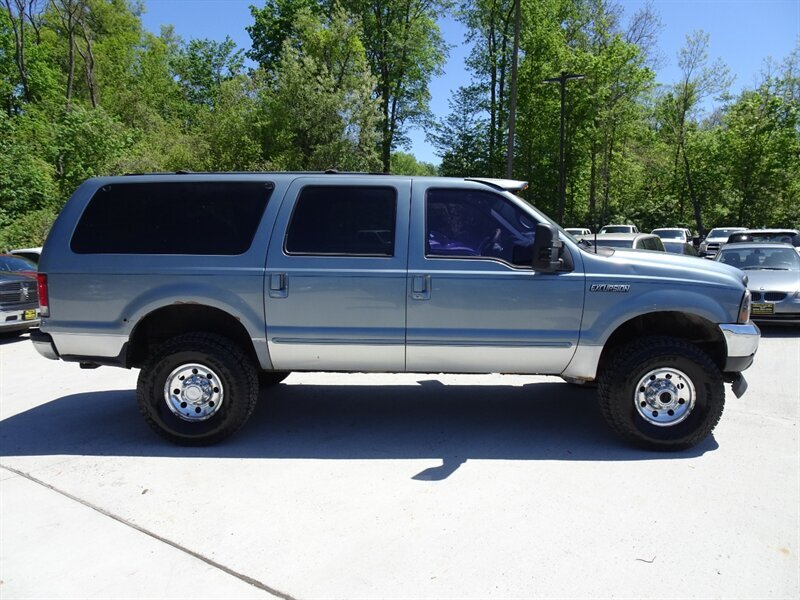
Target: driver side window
474	224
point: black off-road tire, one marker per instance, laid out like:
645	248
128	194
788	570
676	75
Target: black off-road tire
269	378
215	355
617	392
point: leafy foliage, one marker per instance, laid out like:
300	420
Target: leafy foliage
85	91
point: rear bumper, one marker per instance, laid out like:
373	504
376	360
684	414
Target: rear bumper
44	344
742	343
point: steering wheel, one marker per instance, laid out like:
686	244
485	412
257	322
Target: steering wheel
488	243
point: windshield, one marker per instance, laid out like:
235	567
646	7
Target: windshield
615	243
16	264
775	259
617	229
679	248
672	234
718	233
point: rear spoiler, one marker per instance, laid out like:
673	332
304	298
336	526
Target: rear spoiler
510	185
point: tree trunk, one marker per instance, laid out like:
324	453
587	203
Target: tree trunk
18	25
88	62
698	217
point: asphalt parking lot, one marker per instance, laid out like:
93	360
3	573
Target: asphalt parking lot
393	486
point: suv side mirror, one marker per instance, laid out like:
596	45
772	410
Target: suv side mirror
546	248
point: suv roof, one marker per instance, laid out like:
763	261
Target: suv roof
751	236
511	185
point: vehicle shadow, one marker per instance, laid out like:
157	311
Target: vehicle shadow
455	423
12	338
779	330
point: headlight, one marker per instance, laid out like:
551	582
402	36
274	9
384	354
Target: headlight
744	308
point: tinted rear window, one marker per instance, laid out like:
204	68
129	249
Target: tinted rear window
340	220
172	218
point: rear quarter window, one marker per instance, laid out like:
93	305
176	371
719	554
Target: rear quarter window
206	218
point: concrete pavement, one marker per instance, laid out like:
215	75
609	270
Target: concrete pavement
393	486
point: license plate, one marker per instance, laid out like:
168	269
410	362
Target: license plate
29	315
762	308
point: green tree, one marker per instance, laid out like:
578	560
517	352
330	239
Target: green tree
320	112
273	25
461	137
407	164
679	106
203	65
405	49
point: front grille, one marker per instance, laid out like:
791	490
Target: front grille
768	296
18	293
774	296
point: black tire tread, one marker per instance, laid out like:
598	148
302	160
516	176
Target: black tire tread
212	344
625	360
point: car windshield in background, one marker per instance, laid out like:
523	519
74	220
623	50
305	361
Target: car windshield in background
679	248
719	233
617	229
672	234
16	264
778	259
615	243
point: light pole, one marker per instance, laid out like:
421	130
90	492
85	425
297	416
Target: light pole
562	176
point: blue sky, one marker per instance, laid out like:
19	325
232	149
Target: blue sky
743	34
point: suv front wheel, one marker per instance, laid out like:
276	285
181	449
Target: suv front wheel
197	389
661	393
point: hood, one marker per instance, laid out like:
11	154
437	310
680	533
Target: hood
678	269
761	280
25	276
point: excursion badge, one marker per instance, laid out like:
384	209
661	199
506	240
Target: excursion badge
610	287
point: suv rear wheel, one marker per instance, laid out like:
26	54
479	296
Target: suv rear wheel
661	393
197	389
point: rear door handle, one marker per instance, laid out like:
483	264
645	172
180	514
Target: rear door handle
421	287
278	285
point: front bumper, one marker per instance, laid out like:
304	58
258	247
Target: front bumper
742	343
15	319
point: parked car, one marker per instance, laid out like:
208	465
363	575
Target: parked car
578	231
17	264
783	236
19	303
679	248
673	233
773	273
715	239
633	241
216	284
31	254
619	229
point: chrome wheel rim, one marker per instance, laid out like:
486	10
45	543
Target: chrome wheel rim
664	397
193	392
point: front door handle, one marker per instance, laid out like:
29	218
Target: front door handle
278	285
421	287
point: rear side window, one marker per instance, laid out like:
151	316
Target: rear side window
207	218
343	221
